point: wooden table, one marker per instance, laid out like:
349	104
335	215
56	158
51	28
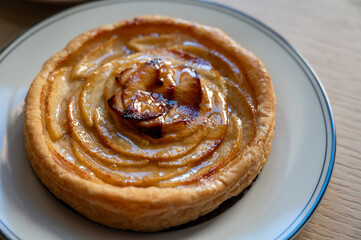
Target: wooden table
328	34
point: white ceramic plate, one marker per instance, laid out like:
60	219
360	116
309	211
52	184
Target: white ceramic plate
280	202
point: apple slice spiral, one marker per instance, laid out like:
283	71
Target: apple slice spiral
150	122
146	118
146	113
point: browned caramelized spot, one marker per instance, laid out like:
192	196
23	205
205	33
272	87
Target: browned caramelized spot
155	131
154	94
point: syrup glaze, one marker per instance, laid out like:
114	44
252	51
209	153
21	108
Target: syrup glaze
162	108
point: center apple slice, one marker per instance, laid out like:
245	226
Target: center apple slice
144	106
157	97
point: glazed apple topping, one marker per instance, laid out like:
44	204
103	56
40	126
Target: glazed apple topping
156	93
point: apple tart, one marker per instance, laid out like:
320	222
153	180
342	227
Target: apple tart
150	122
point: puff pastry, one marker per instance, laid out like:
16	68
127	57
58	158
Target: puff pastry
150	122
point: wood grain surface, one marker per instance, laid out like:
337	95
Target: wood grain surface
328	34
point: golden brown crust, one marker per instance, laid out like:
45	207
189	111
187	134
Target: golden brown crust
150	208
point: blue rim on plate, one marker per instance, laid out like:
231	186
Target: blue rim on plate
328	162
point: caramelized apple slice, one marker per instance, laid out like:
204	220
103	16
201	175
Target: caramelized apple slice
55	107
144	107
104	52
156	41
116	104
123	76
142	79
188	89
